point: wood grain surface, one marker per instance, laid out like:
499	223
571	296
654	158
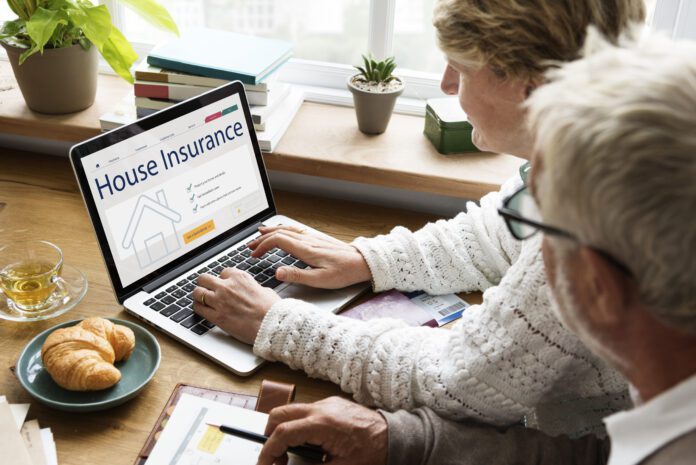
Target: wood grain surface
41	201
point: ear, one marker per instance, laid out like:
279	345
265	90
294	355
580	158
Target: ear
606	288
530	86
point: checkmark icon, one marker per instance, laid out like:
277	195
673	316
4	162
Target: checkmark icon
195	208
188	189
192	198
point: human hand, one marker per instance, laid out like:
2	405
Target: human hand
349	433
334	264
234	302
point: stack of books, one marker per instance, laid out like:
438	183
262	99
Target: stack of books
203	59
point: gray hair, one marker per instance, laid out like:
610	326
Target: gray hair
617	134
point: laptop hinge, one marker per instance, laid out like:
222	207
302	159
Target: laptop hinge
179	270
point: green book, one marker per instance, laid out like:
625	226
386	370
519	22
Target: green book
222	55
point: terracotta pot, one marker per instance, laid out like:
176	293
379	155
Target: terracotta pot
62	80
373	109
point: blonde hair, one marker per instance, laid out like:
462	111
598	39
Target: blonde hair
617	135
524	38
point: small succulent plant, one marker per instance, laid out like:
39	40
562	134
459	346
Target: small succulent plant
377	71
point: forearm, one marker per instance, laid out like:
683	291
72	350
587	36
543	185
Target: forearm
387	364
423	438
321	344
497	363
469	252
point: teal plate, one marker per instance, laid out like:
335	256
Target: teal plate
136	372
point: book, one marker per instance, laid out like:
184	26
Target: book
273	128
271	394
222	55
414	308
259	113
125	112
147	72
279	121
179	92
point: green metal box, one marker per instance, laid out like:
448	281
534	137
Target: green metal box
447	127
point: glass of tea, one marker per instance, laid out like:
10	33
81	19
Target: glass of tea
29	274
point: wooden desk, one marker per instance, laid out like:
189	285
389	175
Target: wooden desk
39	199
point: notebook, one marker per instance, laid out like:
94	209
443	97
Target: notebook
222	55
183	436
271	394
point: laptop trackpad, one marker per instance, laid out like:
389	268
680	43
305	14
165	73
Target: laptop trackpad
326	299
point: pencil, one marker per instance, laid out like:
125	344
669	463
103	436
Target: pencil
307	451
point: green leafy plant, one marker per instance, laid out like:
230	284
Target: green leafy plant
42	24
377	71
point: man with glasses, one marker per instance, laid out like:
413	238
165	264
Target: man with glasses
613	191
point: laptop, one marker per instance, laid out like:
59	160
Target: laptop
180	193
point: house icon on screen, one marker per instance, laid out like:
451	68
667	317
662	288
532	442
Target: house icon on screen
151	230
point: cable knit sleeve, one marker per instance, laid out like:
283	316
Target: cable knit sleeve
470	252
502	359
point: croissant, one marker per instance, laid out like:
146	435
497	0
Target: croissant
120	337
81	357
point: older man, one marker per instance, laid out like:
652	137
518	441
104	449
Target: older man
615	181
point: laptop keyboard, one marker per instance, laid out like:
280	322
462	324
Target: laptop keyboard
175	301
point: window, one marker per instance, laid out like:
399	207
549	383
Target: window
5	12
329	31
676	17
414	42
329	36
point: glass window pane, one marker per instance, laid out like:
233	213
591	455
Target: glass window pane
415	45
5	12
334	31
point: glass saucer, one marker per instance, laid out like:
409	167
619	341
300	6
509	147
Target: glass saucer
69	292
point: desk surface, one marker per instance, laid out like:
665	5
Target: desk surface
39	200
323	140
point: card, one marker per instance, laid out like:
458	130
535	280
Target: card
415	308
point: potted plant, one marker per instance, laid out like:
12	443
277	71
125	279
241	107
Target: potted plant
375	90
52	46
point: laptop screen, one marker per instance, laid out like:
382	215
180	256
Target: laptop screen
172	188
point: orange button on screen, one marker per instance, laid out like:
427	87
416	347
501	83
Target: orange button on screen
199	231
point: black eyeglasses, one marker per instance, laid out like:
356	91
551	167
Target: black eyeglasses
523	219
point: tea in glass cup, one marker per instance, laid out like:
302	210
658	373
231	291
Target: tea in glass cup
29	273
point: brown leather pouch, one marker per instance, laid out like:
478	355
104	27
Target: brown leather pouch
273	394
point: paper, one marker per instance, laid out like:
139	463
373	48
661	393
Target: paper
187	439
49	446
19	411
211	440
31	434
11	443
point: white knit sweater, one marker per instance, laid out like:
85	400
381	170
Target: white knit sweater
505	359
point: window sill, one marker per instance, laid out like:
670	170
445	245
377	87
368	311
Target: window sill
322	141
